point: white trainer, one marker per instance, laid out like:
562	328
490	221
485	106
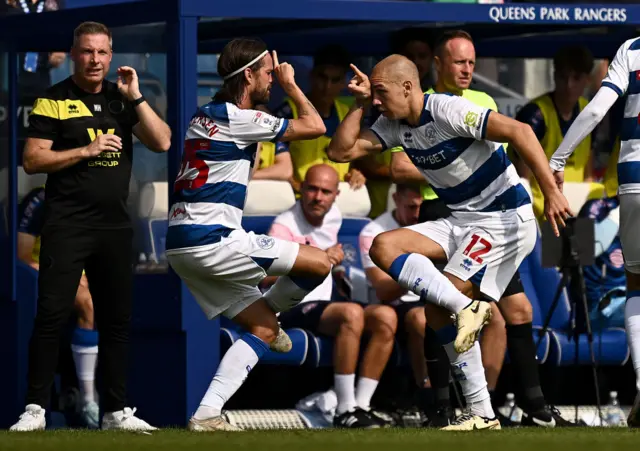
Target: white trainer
470	322
282	343
218	423
31	420
125	420
470	422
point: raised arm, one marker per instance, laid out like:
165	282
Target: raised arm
152	131
309	124
350	142
504	129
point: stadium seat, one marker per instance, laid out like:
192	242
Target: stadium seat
153	201
268	198
391	204
353	203
229	333
320	351
578	193
26	183
610	345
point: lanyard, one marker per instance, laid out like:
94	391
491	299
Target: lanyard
25	7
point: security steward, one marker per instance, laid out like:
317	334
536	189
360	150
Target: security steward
80	134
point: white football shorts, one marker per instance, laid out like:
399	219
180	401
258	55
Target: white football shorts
484	248
224	277
629	236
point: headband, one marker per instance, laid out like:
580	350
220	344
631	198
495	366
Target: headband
249	64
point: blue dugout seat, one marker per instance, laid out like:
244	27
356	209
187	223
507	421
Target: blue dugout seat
610	345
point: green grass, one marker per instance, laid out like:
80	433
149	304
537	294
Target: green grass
331	440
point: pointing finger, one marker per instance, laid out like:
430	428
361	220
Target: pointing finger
275	59
357	71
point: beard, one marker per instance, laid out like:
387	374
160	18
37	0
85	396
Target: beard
260	97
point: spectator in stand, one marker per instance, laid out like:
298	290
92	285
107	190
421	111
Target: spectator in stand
551	115
328	79
315	220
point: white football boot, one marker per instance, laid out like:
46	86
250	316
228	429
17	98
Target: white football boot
31	420
218	423
470	322
282	343
470	422
125	420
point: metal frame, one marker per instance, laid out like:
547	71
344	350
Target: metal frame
178	29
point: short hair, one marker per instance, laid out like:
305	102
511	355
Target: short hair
332	55
399	39
573	58
450	35
404	187
91	28
236	54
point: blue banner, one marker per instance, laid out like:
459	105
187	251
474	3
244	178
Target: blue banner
604	14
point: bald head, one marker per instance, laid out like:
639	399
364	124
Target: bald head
322	174
395	85
397	69
319	192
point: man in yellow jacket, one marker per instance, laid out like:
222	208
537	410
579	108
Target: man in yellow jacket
328	79
551	115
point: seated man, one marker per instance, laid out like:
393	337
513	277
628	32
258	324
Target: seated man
84	343
408	306
315	221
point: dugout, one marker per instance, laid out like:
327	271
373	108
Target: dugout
175	349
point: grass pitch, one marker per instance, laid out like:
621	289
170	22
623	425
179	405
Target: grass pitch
522	439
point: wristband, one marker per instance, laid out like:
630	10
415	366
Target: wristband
139	100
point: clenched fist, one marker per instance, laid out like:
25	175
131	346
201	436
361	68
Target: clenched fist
103	143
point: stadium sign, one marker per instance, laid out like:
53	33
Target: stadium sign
558	14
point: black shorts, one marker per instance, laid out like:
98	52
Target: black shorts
434	209
305	316
402	309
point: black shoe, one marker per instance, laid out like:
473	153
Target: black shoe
383	419
440	418
548	417
355	419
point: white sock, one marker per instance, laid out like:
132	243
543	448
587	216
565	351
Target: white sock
417	273
234	368
364	392
632	326
467	369
344	385
86	359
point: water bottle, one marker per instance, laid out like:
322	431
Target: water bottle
510	410
615	416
